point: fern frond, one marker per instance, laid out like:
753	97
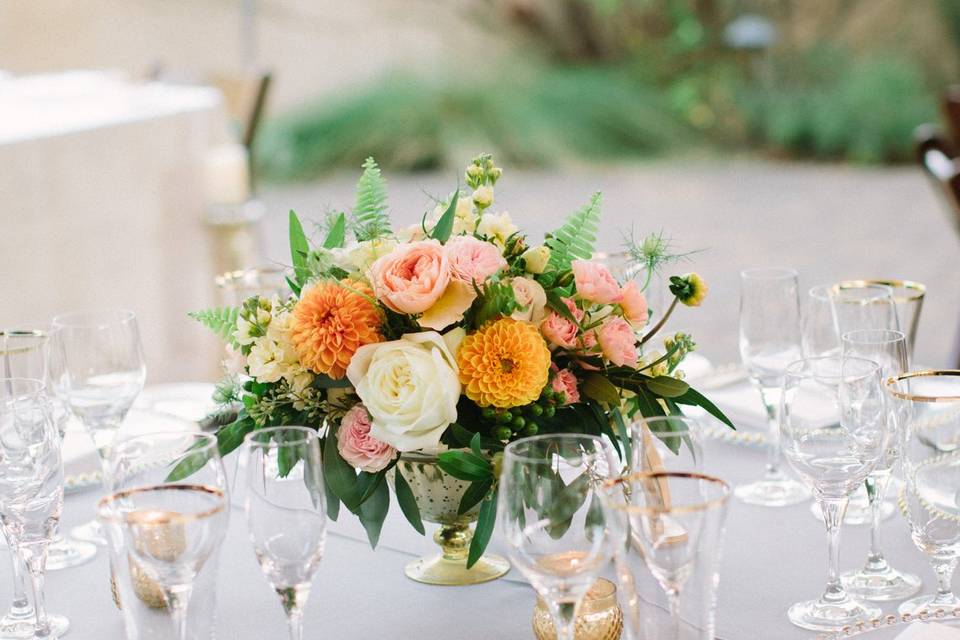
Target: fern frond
574	240
222	322
370	220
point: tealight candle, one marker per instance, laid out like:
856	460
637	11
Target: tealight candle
227	174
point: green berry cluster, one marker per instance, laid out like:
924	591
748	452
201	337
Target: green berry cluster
522	421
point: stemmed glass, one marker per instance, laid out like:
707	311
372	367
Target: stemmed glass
820	337
835	431
927	406
165	513
27	354
666	443
98	371
31	486
673	525
877	580
281	482
769	341
551	516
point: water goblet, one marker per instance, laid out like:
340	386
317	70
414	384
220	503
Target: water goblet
98	371
552	518
31	489
770	339
835	432
280	481
927	406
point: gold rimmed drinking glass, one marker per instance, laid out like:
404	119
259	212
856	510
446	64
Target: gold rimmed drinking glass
927	406
908	297
165	515
669	526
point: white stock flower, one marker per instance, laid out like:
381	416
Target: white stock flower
242	334
483	196
410	388
363	254
497	227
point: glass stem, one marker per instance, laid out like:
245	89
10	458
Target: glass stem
877	484
295	622
20	607
673	600
944	571
565	617
35	559
771	402
178	598
833	512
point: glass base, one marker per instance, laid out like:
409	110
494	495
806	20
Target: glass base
772	493
444	571
928	603
90	532
16	628
818	615
880	586
64	553
857	513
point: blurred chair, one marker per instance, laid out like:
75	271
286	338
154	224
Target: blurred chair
950	108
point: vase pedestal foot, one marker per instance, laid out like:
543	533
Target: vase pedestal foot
443	571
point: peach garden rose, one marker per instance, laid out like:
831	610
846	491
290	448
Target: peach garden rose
412	277
594	282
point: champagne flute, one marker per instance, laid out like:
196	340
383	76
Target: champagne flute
99	373
166	513
820	337
31	485
552	517
927	407
835	431
877	580
281	481
769	341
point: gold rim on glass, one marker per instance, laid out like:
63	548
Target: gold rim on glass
929	373
861	285
657	476
22	333
917	290
157	517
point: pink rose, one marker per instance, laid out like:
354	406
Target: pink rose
566	382
559	330
473	260
594	282
634	305
412	277
356	445
618	342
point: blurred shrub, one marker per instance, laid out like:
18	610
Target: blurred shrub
826	104
537	117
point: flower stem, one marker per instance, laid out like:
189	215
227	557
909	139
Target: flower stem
663	321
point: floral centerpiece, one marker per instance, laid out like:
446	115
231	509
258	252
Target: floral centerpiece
451	337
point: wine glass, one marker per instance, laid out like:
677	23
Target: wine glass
31	485
769	341
165	514
281	481
552	517
27	354
877	580
927	406
673	524
820	336
666	443
98	371
835	432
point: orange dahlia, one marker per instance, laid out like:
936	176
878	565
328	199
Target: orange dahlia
330	322
505	364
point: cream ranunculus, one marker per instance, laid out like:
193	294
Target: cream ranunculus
410	388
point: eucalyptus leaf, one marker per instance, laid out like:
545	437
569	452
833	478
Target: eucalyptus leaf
484	529
667	387
599	388
231	436
339	476
407	502
473	495
373	512
465	465
189	464
694	397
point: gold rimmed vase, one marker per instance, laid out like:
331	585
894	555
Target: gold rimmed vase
438	495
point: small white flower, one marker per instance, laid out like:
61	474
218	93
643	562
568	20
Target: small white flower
497	227
242	334
536	258
483	196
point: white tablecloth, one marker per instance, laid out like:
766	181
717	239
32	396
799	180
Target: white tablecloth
101	204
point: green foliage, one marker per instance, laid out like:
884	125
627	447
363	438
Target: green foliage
336	233
444	227
222	322
299	249
495	300
370	219
574	240
407	502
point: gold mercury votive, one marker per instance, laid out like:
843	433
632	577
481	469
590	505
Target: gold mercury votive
599	618
160	536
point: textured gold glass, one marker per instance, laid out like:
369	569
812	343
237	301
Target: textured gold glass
438	495
600	616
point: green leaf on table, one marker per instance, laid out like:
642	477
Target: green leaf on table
473	495
695	398
374	511
444	227
599	388
484	529
667	387
465	465
337	234
575	239
299	248
370	219
407	502
222	321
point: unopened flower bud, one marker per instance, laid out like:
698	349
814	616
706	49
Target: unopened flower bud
536	258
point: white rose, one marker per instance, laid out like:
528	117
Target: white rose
410	388
497	227
532	297
536	258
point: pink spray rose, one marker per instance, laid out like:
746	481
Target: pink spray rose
356	445
566	382
618	342
594	282
473	260
559	330
412	277
634	305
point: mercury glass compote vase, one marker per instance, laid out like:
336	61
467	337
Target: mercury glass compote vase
438	496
